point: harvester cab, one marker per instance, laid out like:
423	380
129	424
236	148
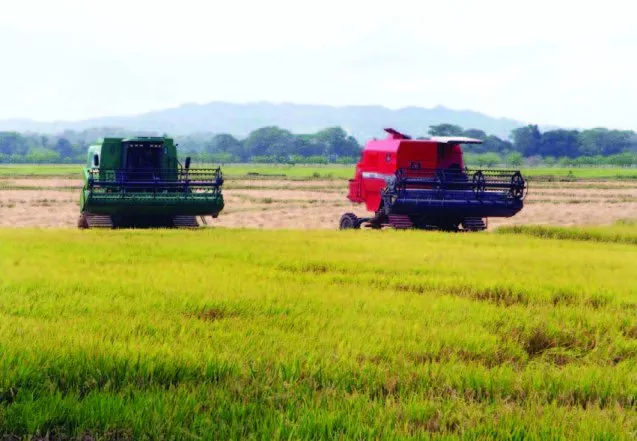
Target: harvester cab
424	184
138	182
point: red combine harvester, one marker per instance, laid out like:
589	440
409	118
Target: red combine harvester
424	184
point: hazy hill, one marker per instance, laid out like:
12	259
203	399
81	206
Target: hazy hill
240	119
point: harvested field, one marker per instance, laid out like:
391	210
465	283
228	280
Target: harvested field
38	208
37	183
310	204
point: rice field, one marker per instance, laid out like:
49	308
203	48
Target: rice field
281	334
624	231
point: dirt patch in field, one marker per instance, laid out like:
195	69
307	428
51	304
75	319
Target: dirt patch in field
42	202
287	183
608	185
41	208
584	193
37	183
587	213
283	217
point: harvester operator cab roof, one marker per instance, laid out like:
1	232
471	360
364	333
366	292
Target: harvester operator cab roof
449	152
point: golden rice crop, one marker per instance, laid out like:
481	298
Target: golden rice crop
624	231
227	334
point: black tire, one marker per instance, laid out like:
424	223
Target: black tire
349	221
517	186
478	183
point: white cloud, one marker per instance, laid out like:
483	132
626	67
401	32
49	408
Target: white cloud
563	62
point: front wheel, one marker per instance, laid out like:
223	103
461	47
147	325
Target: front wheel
349	221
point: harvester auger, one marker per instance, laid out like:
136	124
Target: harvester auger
139	183
424	184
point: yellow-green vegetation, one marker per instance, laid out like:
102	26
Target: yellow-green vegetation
581	173
305	172
40	170
255	171
624	231
228	334
296	172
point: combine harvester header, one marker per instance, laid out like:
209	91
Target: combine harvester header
424	184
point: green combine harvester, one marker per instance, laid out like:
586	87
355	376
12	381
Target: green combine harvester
139	183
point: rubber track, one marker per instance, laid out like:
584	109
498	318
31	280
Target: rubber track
185	222
97	221
473	224
400	221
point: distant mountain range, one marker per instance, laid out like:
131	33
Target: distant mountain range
362	122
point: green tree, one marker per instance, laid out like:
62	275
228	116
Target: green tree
13	143
42	155
64	147
550	160
514	159
491	159
270	141
625	159
475	133
316	160
222	143
560	142
445	130
336	143
221	158
604	142
494	144
527	140
308	145
488	159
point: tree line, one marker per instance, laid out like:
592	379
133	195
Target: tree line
594	147
599	146
267	144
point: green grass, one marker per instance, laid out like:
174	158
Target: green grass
622	232
300	172
305	172
228	334
581	173
256	171
36	170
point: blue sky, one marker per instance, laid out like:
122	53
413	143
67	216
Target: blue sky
550	62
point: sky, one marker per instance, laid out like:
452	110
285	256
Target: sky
558	62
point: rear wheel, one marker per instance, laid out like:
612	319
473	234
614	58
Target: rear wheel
349	221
